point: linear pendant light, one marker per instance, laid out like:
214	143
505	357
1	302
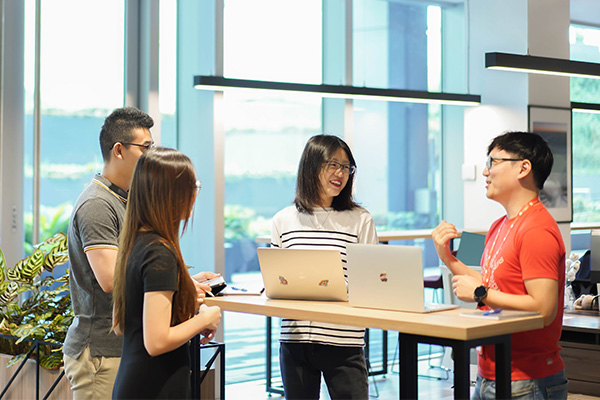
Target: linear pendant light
338	91
593	108
542	65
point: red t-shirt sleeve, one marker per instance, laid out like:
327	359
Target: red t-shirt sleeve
535	258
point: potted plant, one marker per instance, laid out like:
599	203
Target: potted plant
35	305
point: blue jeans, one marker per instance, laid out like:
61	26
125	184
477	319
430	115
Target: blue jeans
344	370
551	387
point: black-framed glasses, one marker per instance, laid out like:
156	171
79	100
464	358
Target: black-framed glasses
489	163
145	146
334	166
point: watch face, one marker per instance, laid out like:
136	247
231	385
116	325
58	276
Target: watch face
480	291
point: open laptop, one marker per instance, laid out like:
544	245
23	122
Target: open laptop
388	277
302	274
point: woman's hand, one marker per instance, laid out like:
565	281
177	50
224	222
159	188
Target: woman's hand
212	318
204	276
202	288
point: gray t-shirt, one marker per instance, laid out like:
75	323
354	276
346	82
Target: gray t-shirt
96	222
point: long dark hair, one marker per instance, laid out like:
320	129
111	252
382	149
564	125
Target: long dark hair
162	194
318	150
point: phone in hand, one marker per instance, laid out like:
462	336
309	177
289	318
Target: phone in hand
216	284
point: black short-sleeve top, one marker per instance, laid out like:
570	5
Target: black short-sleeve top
150	267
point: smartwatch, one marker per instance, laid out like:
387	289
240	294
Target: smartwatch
480	294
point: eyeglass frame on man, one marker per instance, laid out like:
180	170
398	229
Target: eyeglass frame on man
489	162
346	168
145	146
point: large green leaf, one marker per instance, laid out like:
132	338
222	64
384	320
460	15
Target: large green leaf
13	274
52	360
56	256
15	360
29	331
8	292
57	238
32	265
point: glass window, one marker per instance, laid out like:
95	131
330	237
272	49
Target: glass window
81	82
265	134
406	40
585	46
273	40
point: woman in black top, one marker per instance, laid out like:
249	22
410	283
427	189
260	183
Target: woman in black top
155	300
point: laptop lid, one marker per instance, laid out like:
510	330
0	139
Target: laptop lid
387	277
302	274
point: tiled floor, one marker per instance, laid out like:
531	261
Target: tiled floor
383	388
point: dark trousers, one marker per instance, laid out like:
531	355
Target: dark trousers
344	370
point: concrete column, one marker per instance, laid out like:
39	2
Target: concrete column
200	132
12	117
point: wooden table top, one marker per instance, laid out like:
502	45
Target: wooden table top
412	234
388	236
443	324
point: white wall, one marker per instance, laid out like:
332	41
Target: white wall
536	27
494	25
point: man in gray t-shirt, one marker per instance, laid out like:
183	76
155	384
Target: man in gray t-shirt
91	351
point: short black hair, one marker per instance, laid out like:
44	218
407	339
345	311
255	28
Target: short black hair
119	126
530	146
318	150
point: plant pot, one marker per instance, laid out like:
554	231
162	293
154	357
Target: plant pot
23	387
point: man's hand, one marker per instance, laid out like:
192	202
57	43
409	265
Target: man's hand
441	237
464	287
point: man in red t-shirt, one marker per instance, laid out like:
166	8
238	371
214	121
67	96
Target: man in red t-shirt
522	267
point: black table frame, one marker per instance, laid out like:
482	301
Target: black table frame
196	374
408	362
408	358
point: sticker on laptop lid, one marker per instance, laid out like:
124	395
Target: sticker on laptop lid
383	276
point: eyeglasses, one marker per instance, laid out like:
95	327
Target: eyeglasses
334	166
198	186
489	163
145	146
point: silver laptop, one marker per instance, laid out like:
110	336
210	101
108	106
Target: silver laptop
302	274
388	277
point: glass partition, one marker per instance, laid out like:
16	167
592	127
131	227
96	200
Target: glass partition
81	82
585	46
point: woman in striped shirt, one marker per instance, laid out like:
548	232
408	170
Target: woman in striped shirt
324	216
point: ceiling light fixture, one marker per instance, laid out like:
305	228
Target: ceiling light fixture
542	65
585	107
220	83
